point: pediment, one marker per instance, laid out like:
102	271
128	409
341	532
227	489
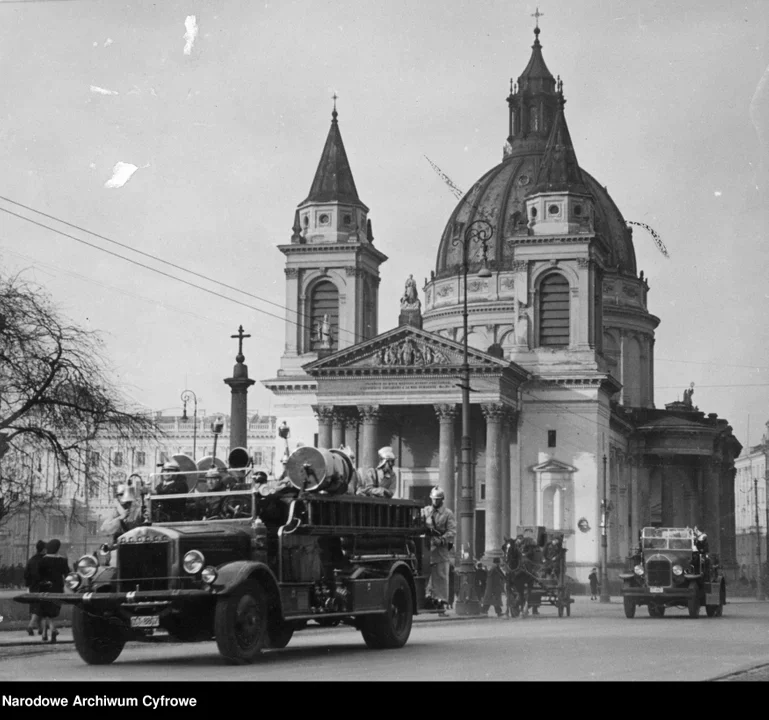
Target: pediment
404	347
553	466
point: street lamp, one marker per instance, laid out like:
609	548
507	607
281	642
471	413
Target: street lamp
479	231
185	399
605	596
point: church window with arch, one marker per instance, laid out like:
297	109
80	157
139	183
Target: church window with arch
324	317
554	311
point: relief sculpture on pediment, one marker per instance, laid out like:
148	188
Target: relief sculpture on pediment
409	353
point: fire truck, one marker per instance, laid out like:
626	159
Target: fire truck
251	565
672	567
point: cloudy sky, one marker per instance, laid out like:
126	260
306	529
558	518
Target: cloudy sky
195	139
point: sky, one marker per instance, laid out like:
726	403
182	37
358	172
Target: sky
219	123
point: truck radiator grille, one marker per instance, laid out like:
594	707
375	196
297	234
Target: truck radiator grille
143	564
658	573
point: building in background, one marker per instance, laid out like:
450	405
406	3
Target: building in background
78	515
750	500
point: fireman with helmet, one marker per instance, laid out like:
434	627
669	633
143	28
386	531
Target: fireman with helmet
172	482
380	481
442	525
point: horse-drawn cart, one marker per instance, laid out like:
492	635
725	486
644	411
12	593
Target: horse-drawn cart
536	575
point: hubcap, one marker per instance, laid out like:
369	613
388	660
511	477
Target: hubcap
398	611
247	622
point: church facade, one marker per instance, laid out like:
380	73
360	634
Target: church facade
561	352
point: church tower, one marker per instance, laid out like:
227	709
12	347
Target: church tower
332	280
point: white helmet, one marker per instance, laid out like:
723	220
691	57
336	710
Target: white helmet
386	453
437	493
171	466
347	450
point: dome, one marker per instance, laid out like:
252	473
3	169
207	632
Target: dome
501	193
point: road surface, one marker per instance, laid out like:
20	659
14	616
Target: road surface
596	643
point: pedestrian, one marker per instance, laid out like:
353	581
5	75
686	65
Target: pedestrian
593	578
495	585
480	579
32	581
442	525
52	570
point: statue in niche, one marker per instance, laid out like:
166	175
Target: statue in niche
522	322
321	333
410	299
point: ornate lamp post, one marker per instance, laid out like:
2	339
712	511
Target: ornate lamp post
185	399
605	596
479	231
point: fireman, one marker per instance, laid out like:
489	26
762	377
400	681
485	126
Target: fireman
442	525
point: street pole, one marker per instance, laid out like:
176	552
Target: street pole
605	596
759	574
467	602
185	399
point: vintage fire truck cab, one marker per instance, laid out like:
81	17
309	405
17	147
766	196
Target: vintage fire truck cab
672	568
250	567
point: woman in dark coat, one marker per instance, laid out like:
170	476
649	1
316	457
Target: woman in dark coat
52	570
32	580
593	578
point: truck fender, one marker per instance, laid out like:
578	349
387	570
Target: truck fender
404	569
627	576
692	577
233	574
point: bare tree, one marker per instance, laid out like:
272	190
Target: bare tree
56	399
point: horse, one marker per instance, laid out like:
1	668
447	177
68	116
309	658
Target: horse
519	577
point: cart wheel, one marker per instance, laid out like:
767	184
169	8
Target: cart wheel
568	607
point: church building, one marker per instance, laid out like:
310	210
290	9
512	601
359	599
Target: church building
561	352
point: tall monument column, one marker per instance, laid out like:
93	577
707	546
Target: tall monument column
493	414
446	453
239	384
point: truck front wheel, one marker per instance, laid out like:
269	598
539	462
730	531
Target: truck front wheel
391	629
97	641
629	605
240	623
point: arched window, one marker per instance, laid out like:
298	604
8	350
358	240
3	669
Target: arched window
554	311
324	317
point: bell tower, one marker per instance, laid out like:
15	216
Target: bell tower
332	273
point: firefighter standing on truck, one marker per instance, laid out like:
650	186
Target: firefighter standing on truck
443	529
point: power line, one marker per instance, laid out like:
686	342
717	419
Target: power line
145	254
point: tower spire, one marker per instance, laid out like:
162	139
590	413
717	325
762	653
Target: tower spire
537	15
334	113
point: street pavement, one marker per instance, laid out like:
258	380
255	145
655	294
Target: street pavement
596	643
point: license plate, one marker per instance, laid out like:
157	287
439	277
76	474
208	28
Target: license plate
145	621
656	589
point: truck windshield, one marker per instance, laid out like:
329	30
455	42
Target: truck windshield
185	497
668	539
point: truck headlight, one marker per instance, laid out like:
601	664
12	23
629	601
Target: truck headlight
87	566
638	570
72	581
193	562
678	570
208	575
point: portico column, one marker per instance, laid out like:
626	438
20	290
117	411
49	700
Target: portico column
351	435
337	430
713	493
324	414
446	453
493	414
370	415
509	428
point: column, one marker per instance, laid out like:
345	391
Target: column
446	453
239	384
493	414
509	426
337	430
712	498
325	415
351	435
370	415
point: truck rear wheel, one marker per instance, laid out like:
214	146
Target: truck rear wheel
240	623
391	629
717	610
97	641
629	605
279	635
